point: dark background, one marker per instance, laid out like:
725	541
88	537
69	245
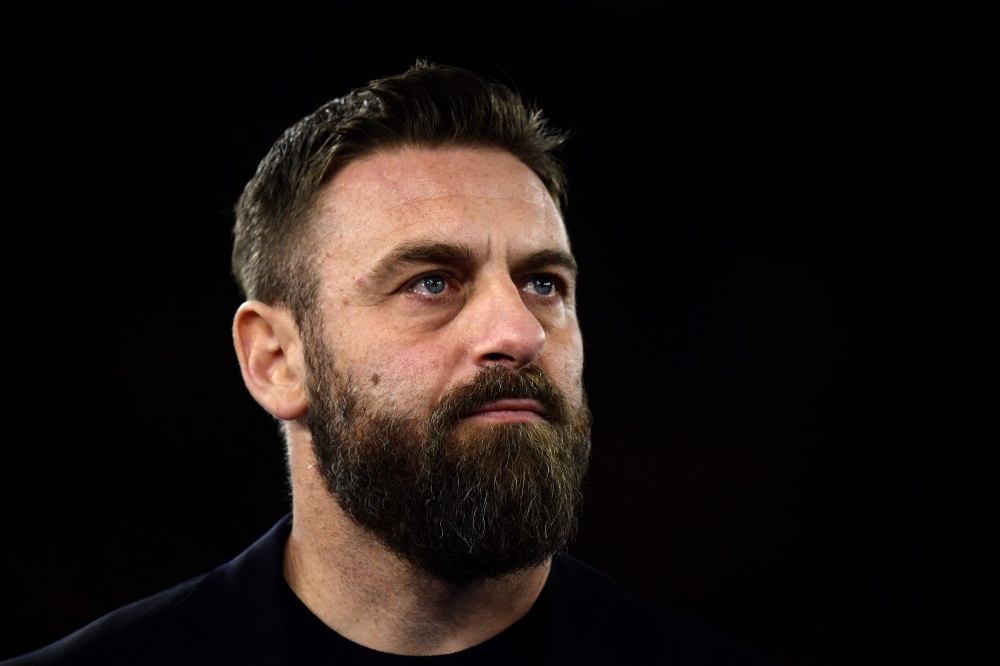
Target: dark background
779	213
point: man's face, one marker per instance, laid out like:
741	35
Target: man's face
445	360
436	263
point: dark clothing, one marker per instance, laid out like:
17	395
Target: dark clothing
244	613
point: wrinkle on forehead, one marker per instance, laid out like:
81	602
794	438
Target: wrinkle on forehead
395	184
426	192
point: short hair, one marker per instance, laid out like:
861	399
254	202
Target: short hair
428	106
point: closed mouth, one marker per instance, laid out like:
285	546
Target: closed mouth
509	410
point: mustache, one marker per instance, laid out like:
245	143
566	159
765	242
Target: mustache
493	383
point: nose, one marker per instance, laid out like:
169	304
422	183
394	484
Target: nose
503	330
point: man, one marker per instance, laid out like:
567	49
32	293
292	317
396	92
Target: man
411	322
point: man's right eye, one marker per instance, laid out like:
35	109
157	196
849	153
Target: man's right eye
432	284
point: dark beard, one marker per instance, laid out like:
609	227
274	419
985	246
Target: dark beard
500	498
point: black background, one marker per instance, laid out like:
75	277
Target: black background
780	216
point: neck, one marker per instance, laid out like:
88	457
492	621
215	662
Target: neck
373	597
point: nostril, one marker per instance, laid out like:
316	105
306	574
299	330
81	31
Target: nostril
496	356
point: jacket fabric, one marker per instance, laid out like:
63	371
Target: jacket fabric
235	614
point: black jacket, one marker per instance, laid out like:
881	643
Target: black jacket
234	615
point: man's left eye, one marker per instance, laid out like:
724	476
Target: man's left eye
432	284
541	285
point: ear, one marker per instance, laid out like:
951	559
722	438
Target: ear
270	354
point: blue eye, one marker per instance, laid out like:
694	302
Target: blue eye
542	286
433	284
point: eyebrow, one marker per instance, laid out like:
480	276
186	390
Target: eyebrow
459	254
546	258
416	252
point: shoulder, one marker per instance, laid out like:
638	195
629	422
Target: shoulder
595	620
229	615
147	631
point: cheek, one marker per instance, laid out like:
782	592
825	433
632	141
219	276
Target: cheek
563	360
412	375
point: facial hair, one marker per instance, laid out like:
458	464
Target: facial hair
496	499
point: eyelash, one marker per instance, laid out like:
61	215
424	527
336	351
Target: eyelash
557	282
410	288
415	282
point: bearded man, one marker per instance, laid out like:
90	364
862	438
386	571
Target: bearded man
411	322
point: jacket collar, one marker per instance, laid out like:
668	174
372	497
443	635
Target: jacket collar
237	607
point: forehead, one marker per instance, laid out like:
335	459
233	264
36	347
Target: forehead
472	196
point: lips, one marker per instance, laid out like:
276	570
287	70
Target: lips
510	409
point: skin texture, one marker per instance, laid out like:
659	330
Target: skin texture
486	232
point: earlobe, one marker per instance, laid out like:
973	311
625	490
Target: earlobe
270	355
